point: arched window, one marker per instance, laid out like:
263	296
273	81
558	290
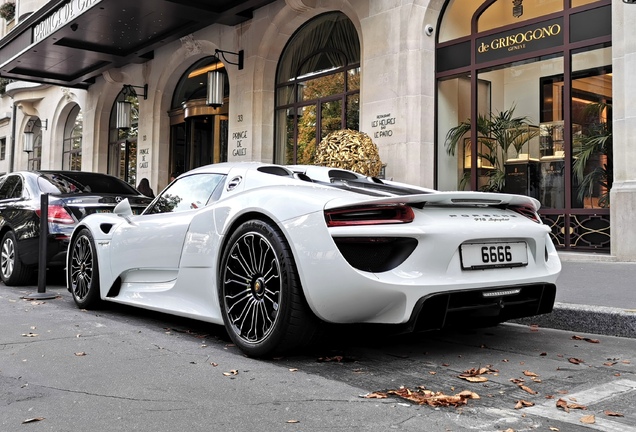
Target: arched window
72	149
122	149
198	132
317	86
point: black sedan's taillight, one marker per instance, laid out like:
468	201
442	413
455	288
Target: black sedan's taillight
58	214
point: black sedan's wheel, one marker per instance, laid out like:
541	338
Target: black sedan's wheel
263	307
12	271
83	273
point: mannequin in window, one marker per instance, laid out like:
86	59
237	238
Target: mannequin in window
144	188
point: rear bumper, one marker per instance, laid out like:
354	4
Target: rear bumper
483	306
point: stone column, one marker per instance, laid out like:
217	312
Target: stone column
623	193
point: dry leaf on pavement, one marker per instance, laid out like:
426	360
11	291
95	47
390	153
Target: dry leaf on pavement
523	403
612	413
588	419
32	420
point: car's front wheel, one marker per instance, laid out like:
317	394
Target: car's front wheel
261	298
12	271
82	271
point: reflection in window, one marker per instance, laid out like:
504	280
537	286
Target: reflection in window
122	152
318	86
187	193
72	148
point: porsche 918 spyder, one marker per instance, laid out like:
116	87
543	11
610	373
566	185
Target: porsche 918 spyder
272	251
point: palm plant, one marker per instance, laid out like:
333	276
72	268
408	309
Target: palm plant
498	134
596	142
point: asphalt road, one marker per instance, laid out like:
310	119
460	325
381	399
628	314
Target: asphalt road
122	369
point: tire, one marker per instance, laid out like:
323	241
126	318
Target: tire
83	271
263	308
12	271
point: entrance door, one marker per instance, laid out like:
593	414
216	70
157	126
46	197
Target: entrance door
198	140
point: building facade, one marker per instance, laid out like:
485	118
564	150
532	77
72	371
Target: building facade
517	96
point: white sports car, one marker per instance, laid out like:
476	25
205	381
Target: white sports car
271	251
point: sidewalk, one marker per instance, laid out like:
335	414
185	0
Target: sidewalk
594	295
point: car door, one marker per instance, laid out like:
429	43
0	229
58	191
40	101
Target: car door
148	249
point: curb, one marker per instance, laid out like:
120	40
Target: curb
601	320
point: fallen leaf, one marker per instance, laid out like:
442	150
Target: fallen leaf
612	413
609	363
231	373
564	405
517	381
432	373
527	389
80	354
214	364
523	403
474	379
375	395
293	370
552	428
626	362
574	360
530	374
32	420
588	419
575	337
293	421
434	399
543	354
29	334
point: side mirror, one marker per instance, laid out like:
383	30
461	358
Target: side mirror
123	209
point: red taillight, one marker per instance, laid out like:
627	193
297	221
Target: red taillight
527	212
58	214
372	215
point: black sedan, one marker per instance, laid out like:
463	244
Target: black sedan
72	196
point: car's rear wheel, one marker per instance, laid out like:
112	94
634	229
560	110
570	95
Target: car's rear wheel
261	298
12	270
83	272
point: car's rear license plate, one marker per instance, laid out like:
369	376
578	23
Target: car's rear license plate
476	256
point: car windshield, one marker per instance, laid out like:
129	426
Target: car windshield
83	182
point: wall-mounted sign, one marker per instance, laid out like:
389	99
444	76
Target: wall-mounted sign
522	40
383	125
60	17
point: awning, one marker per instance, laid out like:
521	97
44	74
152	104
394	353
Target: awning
70	42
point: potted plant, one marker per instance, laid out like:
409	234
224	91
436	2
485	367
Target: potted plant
497	136
7	11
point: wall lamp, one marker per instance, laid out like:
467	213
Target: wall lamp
216	78
124	107
33	124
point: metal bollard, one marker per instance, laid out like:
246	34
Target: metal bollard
44	234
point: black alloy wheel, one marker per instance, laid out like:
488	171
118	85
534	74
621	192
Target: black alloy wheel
83	273
263	307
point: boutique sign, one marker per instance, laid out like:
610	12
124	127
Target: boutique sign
60	17
535	37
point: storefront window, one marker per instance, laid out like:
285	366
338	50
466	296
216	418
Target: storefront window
318	87
527	110
72	149
591	102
